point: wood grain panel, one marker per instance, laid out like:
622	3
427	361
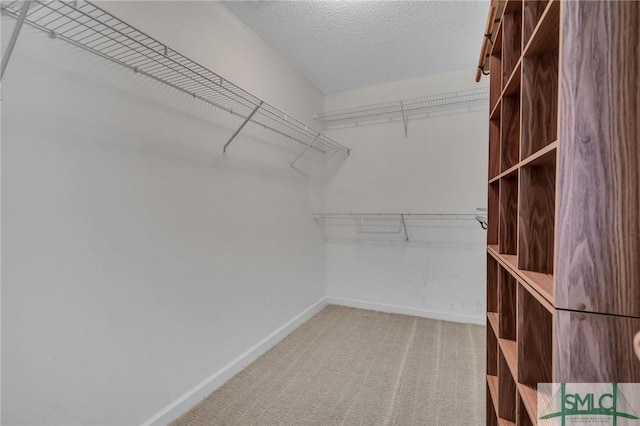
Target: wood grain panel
522	414
508	232
511	42
493	211
492	353
492	284
531	14
495	79
507	309
492	417
547	33
529	397
535	340
539	102
510	132
595	348
509	349
494	148
598	230
536	218
506	390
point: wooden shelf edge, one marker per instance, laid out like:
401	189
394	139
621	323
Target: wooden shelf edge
492	381
510	171
543	284
531	160
493	322
529	397
496	108
510	351
541	29
514	80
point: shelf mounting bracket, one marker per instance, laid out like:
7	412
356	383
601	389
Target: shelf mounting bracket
14	36
305	150
244	123
404	118
404	226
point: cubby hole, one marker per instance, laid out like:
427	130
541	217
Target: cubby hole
536	225
531	13
511	40
510	132
494	148
507	305
492	284
539	85
534	347
508	229
506	391
492	353
539	102
493	209
495	70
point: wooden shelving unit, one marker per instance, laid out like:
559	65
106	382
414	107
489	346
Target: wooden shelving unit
563	232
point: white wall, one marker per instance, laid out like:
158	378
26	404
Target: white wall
137	259
439	168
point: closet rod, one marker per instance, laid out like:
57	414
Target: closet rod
91	28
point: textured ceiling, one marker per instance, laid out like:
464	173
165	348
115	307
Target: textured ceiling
340	45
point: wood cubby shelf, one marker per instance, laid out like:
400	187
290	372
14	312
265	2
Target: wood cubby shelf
510	131
507	287
524	418
563	240
545	36
509	350
508	211
492	352
536	218
529	398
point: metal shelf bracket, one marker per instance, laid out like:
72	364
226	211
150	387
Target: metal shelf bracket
14	36
239	129
305	150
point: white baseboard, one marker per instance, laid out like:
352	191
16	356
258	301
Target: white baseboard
393	309
217	379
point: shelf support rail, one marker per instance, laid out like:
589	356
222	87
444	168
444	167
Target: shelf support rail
14	36
305	150
404	119
244	123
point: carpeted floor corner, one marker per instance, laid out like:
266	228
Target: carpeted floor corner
350	366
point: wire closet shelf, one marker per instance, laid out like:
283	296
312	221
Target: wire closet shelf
89	27
405	107
389	224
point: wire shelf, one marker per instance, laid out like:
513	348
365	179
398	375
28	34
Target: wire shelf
405	107
89	27
385	226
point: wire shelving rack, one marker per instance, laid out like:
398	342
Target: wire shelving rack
91	28
404	108
388	225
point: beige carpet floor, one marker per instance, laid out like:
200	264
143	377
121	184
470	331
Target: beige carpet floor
350	366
